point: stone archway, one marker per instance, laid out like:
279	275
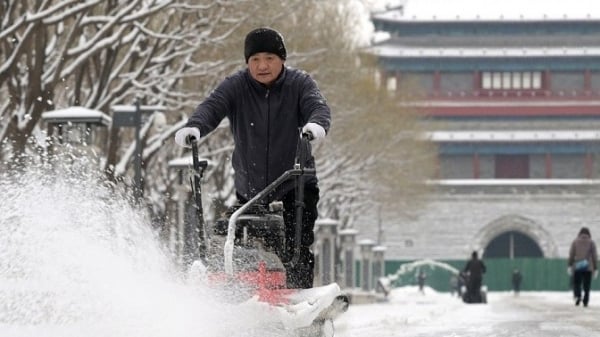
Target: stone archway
517	226
512	244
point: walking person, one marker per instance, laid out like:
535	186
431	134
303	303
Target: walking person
516	281
582	264
460	282
421	281
453	283
474	269
268	104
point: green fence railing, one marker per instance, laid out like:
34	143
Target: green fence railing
538	274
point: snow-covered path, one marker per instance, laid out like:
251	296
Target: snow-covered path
410	313
77	261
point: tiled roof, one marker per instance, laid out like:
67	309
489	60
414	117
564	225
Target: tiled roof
506	10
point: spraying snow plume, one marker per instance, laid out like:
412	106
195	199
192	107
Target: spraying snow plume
76	259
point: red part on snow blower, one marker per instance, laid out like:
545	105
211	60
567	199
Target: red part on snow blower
256	256
269	286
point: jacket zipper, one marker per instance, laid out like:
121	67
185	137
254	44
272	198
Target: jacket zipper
268	135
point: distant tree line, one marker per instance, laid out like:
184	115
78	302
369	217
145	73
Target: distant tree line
100	53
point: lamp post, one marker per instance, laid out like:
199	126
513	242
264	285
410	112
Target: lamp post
378	268
347	239
76	125
366	252
326	234
131	116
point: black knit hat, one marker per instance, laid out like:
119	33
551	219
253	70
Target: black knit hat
264	40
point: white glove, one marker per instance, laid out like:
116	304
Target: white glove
569	271
315	129
183	135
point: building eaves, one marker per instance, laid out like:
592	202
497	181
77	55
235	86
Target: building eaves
491	11
479	136
398	51
503	41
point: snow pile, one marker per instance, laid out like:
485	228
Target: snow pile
408	312
406	306
77	260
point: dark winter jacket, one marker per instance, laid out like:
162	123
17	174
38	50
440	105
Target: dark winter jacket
583	247
265	124
516	278
475	268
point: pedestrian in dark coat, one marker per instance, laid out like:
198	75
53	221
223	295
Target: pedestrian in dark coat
516	281
475	268
461	281
267	105
453	284
582	265
421	281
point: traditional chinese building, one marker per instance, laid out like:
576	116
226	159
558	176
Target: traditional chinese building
511	95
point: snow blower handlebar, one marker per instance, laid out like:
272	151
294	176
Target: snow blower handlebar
302	152
199	167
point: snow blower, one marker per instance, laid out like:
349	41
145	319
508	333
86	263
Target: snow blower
247	251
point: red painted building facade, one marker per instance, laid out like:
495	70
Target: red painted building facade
538	76
512	102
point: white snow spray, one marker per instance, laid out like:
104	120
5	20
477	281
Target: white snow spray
76	259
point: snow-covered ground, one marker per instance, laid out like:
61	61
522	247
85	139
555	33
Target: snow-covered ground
77	261
411	313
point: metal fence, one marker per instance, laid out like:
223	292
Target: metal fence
539	274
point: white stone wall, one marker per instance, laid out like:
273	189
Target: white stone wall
452	226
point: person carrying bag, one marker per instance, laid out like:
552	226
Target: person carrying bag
582	264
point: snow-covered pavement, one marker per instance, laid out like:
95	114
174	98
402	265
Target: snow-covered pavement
532	314
76	261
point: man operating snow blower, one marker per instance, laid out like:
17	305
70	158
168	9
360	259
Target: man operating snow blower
267	104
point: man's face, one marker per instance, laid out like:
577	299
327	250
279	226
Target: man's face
265	67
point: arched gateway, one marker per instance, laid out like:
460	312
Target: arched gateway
514	236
